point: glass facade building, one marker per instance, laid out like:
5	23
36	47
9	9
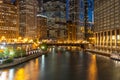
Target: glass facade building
56	13
76	15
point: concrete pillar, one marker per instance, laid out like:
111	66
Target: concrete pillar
103	40
115	38
96	38
107	38
111	38
100	39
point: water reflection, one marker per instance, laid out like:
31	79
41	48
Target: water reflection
42	65
20	74
65	63
92	69
3	75
27	72
11	73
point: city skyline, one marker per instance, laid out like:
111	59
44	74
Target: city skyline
90	8
59	39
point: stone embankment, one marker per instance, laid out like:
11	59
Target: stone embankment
20	60
98	52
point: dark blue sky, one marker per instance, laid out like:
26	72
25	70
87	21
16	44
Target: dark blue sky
12	0
90	10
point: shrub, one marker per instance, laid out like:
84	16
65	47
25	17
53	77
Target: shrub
19	53
9	60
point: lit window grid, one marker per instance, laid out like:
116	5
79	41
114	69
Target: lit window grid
106	15
8	21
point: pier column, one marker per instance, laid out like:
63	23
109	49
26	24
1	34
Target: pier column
111	40
97	39
100	39
118	38
115	38
103	40
107	37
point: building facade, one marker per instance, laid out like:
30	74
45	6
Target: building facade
8	21
56	13
41	27
71	31
28	18
107	24
76	15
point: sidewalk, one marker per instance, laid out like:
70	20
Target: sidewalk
98	52
20	60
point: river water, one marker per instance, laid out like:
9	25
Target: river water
65	63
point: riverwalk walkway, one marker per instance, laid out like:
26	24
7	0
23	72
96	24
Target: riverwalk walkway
98	52
20	60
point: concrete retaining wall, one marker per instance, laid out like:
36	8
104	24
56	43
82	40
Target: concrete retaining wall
98	52
20	60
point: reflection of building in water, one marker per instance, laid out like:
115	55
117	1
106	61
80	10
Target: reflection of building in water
31	69
92	71
7	74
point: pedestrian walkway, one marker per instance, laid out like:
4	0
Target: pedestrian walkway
98	52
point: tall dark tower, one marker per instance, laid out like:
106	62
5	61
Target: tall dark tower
7	1
76	14
40	6
86	19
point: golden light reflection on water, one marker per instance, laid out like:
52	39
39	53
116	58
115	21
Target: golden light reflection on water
20	74
92	71
29	72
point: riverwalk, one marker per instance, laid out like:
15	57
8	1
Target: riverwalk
20	60
98	52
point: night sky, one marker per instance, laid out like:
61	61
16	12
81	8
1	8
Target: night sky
12	0
90	10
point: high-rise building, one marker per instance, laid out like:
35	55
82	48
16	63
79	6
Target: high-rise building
28	18
71	31
107	24
41	27
8	21
76	15
56	13
40	2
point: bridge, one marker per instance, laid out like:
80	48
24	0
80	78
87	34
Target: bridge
82	45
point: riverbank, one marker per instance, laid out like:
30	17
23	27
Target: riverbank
20	60
98	52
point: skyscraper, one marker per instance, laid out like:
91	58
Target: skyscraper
55	11
8	21
28	18
41	27
76	15
107	24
